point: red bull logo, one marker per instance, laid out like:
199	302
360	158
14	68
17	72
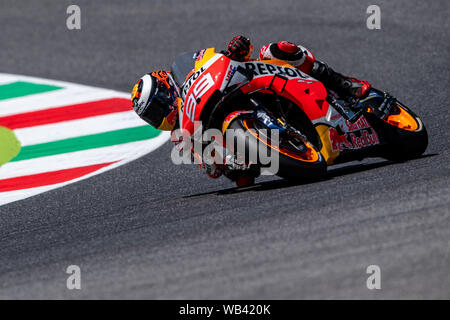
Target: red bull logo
366	139
352	140
338	142
360	124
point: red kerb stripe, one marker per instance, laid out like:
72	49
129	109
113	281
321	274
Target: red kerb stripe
66	113
48	178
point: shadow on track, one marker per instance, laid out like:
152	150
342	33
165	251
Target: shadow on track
283	183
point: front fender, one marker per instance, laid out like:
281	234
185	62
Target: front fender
231	117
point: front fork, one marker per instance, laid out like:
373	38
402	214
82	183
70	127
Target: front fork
273	123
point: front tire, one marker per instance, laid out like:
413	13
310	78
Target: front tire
291	165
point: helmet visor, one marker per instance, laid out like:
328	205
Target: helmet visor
158	108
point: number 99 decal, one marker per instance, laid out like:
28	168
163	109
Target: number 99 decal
204	84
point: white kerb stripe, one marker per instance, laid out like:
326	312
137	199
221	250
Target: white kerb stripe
70	160
76	128
146	147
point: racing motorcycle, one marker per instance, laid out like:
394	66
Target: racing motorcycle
316	128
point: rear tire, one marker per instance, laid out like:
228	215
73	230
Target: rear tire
405	144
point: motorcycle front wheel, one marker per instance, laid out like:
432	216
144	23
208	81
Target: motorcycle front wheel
289	160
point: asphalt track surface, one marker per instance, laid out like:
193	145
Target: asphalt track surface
151	229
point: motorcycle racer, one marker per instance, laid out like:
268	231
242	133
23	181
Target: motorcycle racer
240	49
156	95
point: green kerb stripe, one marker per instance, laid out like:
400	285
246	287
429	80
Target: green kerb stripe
21	88
87	142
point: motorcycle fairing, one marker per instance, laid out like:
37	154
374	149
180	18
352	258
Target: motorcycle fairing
216	72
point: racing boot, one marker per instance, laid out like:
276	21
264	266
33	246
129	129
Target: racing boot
342	85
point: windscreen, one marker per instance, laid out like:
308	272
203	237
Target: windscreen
182	65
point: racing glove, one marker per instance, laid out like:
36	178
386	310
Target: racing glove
239	49
344	86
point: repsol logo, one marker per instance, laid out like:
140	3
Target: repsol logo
191	80
261	69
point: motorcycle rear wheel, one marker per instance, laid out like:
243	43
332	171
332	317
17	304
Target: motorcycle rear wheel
408	137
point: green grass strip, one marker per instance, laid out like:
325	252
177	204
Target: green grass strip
9	145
